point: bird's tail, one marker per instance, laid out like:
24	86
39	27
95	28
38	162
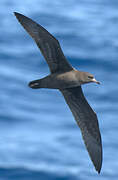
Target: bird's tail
36	84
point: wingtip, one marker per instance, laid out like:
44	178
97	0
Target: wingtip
98	169
15	13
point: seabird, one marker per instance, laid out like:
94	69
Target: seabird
68	81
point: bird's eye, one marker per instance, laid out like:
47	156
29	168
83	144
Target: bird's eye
90	77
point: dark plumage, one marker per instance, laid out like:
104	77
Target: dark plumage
68	80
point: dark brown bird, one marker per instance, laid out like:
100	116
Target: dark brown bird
68	80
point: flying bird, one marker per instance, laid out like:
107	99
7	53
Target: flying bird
68	81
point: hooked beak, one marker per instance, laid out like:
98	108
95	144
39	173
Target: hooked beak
94	80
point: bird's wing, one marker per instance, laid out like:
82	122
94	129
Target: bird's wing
48	44
87	120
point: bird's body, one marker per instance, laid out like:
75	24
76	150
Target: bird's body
59	80
68	80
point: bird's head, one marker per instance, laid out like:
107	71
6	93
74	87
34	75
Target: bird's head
88	78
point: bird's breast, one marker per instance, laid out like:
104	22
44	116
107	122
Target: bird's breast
67	80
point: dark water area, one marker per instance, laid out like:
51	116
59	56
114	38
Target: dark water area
39	138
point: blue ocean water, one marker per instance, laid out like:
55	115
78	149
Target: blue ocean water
39	138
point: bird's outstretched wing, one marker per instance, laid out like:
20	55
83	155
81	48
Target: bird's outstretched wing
87	120
48	44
